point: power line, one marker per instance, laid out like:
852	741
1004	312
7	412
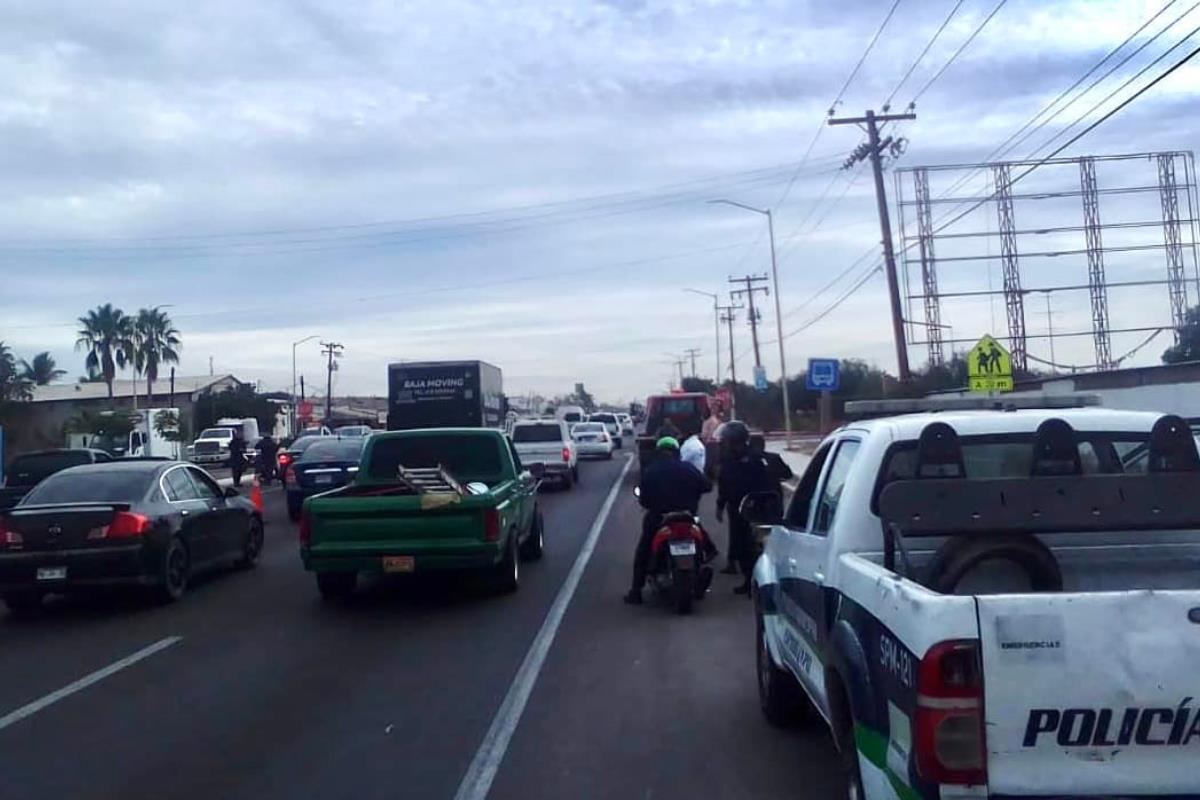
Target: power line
872	272
854	72
888	103
956	54
499	216
1003	148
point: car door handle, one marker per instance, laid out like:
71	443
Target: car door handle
819	577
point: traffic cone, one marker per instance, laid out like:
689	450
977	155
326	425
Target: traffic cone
256	494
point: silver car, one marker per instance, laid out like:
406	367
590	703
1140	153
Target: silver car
592	440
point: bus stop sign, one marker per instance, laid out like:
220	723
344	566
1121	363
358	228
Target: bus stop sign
824	375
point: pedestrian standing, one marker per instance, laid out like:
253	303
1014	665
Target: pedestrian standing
237	457
742	472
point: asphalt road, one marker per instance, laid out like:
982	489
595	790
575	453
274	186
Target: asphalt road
267	692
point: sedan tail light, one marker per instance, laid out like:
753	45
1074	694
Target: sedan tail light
285	459
126	524
8	536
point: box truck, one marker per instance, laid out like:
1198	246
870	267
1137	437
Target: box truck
445	394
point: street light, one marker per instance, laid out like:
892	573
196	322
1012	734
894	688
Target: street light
766	212
294	346
717	324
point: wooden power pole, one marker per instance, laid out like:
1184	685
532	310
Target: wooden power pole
332	350
873	150
748	293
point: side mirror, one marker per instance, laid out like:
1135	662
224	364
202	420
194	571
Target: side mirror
231	492
762	508
537	470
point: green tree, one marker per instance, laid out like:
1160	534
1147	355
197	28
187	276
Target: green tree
13	385
155	342
42	370
1187	348
107	335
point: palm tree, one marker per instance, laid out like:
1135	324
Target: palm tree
42	370
13	385
93	375
156	341
107	335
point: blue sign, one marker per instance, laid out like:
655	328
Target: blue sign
824	375
760	378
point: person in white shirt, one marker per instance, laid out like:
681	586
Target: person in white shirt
692	452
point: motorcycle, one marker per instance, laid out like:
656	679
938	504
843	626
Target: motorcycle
679	557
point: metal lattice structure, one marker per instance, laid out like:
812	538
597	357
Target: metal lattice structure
1014	299
951	234
1169	194
1097	286
933	314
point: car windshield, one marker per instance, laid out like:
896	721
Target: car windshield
91	485
216	433
334	450
537	433
466	458
30	469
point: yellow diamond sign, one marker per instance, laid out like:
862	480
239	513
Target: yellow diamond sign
989	367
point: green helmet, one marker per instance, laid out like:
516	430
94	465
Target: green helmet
668	443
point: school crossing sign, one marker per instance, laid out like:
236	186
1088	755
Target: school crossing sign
989	367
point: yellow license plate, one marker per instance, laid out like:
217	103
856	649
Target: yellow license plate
398	564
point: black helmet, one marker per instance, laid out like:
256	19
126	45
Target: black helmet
734	435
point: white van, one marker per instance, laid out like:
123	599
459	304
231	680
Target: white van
570	414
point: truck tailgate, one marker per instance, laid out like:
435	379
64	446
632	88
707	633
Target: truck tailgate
1092	694
369	522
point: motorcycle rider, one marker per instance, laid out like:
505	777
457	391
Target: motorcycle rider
267	451
237	457
669	484
742	471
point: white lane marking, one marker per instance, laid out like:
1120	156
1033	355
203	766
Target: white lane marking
86	681
477	782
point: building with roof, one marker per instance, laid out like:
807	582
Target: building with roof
43	420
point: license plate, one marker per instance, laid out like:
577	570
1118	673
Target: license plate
683	548
52	573
322	480
398	564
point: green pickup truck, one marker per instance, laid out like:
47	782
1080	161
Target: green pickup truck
425	501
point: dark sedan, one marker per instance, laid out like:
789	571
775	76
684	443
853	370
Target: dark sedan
327	464
288	455
134	522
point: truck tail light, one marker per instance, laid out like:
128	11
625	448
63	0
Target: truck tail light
567	454
491	525
949	736
126	524
305	528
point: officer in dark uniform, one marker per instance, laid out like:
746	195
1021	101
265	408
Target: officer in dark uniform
742	472
237	457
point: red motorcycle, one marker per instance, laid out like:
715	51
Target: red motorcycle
679	557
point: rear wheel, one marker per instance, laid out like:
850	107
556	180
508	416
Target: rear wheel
685	590
23	604
531	549
779	695
173	572
506	576
575	473
253	546
337	586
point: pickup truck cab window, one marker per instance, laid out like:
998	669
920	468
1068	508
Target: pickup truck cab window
835	481
801	505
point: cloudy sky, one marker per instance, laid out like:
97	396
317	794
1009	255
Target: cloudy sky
525	182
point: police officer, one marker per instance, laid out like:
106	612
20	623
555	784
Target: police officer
742	472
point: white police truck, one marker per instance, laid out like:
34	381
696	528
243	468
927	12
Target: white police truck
991	604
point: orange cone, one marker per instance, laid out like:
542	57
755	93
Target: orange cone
256	494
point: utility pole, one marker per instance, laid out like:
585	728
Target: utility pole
728	316
331	350
210	366
872	150
748	293
692	352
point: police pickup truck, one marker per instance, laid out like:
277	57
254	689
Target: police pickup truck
991	604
